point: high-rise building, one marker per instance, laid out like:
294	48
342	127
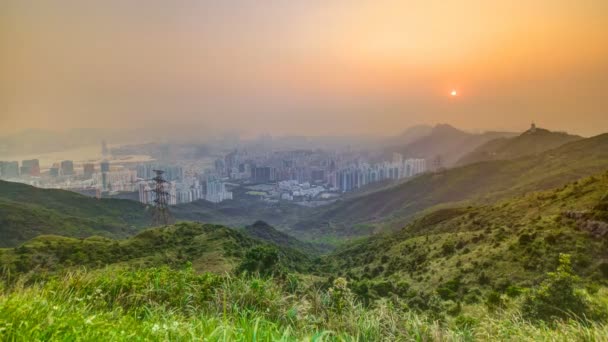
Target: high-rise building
216	191
54	171
89	170
67	167
9	169
261	174
30	168
105	166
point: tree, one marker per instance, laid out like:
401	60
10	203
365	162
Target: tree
557	296
263	260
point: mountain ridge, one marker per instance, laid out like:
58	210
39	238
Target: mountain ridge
533	141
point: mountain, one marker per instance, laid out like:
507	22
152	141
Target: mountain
460	250
446	143
484	182
265	232
532	141
27	211
208	247
409	135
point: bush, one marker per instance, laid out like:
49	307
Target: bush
494	301
558	297
262	260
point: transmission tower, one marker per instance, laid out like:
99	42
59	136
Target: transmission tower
161	214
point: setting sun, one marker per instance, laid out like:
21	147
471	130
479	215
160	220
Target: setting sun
453	93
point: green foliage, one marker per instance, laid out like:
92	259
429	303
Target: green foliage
262	260
208	247
160	304
559	296
494	301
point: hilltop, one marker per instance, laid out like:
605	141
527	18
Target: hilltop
27	211
533	141
447	143
484	182
461	251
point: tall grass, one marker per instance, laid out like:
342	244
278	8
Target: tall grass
160	304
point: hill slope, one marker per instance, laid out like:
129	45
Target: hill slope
493	247
533	141
263	231
482	182
208	247
26	212
447	143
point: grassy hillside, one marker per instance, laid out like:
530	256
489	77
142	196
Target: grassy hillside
484	182
528	143
494	271
208	247
20	222
465	251
26	212
160	304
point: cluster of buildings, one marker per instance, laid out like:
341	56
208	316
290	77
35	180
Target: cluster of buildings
303	176
361	174
12	170
309	174
181	188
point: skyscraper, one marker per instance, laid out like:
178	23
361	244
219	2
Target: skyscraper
30	168
67	168
89	170
9	169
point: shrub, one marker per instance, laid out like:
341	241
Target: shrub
557	297
339	295
262	260
494	301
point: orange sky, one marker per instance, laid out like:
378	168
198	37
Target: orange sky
310	67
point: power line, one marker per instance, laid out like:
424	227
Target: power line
161	214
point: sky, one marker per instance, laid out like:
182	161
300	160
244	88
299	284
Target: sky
315	67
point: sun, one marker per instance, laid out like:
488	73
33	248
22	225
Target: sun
454	92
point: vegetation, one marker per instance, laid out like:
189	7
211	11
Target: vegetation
207	247
464	254
161	304
26	212
506	264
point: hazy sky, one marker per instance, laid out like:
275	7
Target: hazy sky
304	67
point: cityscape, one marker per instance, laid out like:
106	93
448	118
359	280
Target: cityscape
306	177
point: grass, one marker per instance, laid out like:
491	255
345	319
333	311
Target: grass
160	304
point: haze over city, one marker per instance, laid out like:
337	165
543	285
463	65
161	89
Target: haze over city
304	68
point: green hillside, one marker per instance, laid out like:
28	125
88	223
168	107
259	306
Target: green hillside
208	247
462	252
483	182
458	274
533	141
26	212
263	231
